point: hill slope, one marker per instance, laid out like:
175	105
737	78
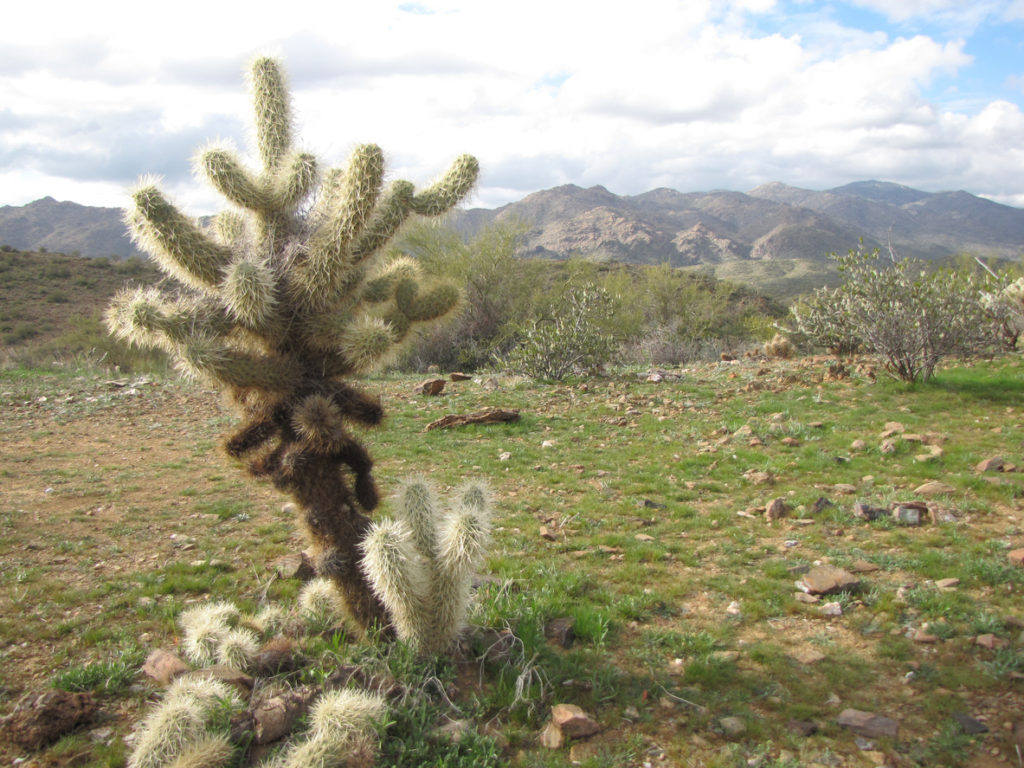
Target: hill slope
66	227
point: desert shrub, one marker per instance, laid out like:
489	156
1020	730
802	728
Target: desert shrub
911	316
570	340
780	346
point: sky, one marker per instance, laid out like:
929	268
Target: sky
693	95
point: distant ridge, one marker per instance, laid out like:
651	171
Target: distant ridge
774	222
65	227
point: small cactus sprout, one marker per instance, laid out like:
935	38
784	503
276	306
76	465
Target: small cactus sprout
320	604
237	648
421	563
177	727
341	726
268	620
204	628
284	299
212	751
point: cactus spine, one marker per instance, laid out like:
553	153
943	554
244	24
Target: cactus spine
421	563
285	298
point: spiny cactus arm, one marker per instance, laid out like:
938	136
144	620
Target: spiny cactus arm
348	202
396	575
418	507
462	541
273	112
167	731
211	358
317	422
146	318
295	181
179	246
447	192
346	711
229	228
392	211
229	177
250	293
251	437
382	287
410	306
366	344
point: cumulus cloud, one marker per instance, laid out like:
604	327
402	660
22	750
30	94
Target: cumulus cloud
697	95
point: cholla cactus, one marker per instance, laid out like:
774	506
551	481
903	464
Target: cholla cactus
421	563
341	725
284	299
176	732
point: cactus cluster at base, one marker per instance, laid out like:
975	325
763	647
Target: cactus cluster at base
286	297
421	562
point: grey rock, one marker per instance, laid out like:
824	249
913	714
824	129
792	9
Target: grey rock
869	724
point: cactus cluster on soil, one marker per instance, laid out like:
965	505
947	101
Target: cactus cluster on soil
285	299
421	562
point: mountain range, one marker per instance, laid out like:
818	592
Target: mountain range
766	234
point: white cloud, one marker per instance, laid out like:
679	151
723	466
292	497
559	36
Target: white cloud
631	96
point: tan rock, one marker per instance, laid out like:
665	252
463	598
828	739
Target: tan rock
163	666
868	724
827	580
775	509
573	722
1016	556
552	737
993	464
431	387
933	488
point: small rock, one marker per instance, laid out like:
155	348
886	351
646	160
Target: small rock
791	442
991	642
431	387
561	631
947	583
887	446
732	726
298	566
1016	556
459	376
803	597
820	505
858	445
994	464
547	533
827	580
163	666
775	509
863	566
734	609
573	722
274	717
758	477
920	636
933	488
906	515
831	609
868	724
808	656
644	537
969	725
845	488
803	728
41	719
867	512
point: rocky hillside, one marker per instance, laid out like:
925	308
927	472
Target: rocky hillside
65	227
772	222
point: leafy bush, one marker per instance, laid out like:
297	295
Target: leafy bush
910	316
569	341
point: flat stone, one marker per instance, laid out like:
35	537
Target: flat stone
969	725
732	726
845	488
803	597
163	666
863	566
906	515
808	656
993	464
827	580
831	609
933	488
991	642
947	583
868	724
1016	556
459	376
573	722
